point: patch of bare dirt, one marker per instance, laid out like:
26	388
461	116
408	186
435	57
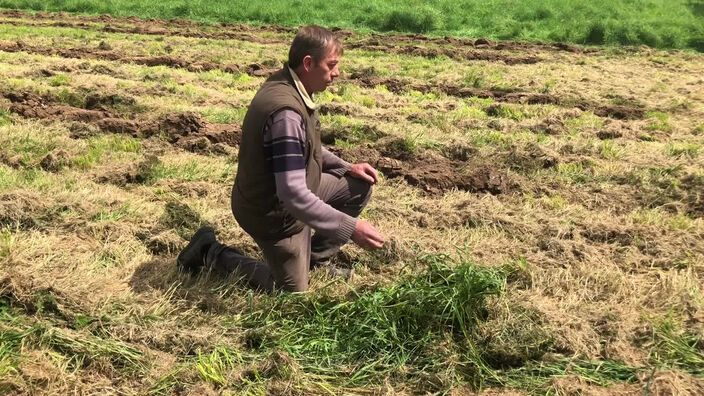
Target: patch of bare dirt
433	174
30	105
136	25
332	108
177	127
366	79
96	53
376	39
452	53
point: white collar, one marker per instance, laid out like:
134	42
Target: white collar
302	90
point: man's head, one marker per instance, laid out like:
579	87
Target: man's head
314	56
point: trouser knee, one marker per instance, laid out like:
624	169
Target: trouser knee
360	193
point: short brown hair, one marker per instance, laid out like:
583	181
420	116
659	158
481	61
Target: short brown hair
315	41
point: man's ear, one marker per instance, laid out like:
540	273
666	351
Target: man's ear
308	63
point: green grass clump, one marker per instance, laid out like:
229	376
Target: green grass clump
436	325
420	324
505	111
690	150
676	348
213	367
5	117
657	23
99	147
660	122
537	376
417	20
59	80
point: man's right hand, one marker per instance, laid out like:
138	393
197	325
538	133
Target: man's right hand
366	236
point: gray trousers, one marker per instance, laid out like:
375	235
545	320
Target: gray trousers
289	260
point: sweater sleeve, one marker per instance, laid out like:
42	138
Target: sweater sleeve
333	164
284	142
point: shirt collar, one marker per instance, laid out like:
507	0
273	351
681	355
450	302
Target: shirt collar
302	90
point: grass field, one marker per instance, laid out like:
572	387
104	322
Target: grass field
656	23
542	205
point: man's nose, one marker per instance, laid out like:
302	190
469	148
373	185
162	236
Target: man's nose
335	72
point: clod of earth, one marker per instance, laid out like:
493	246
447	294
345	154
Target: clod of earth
54	161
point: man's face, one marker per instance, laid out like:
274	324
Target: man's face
324	72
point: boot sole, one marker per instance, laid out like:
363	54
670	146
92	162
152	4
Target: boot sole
181	259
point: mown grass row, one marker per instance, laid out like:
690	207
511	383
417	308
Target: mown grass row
657	23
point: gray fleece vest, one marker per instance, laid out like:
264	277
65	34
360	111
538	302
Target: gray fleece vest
255	204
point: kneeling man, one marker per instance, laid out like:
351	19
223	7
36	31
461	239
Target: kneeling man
296	199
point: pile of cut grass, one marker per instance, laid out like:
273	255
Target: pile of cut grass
656	23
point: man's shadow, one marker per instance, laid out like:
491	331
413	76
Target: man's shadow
207	291
165	241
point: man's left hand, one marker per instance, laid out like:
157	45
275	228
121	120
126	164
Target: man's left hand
365	172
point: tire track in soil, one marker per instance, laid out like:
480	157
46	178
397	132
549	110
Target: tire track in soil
160	26
457	54
434	175
185	130
621	112
382	39
138	21
255	69
152	31
362	78
370	45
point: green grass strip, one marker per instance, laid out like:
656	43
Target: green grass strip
657	23
419	324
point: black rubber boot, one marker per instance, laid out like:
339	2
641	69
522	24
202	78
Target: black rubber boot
191	258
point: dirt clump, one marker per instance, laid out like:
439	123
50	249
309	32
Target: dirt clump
606	134
459	151
177	125
174	126
54	161
190	127
530	157
13	161
196	144
30	105
21	209
439	176
97	101
228	134
118	125
259	70
331	108
620	112
433	174
551	125
104	46
693	199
